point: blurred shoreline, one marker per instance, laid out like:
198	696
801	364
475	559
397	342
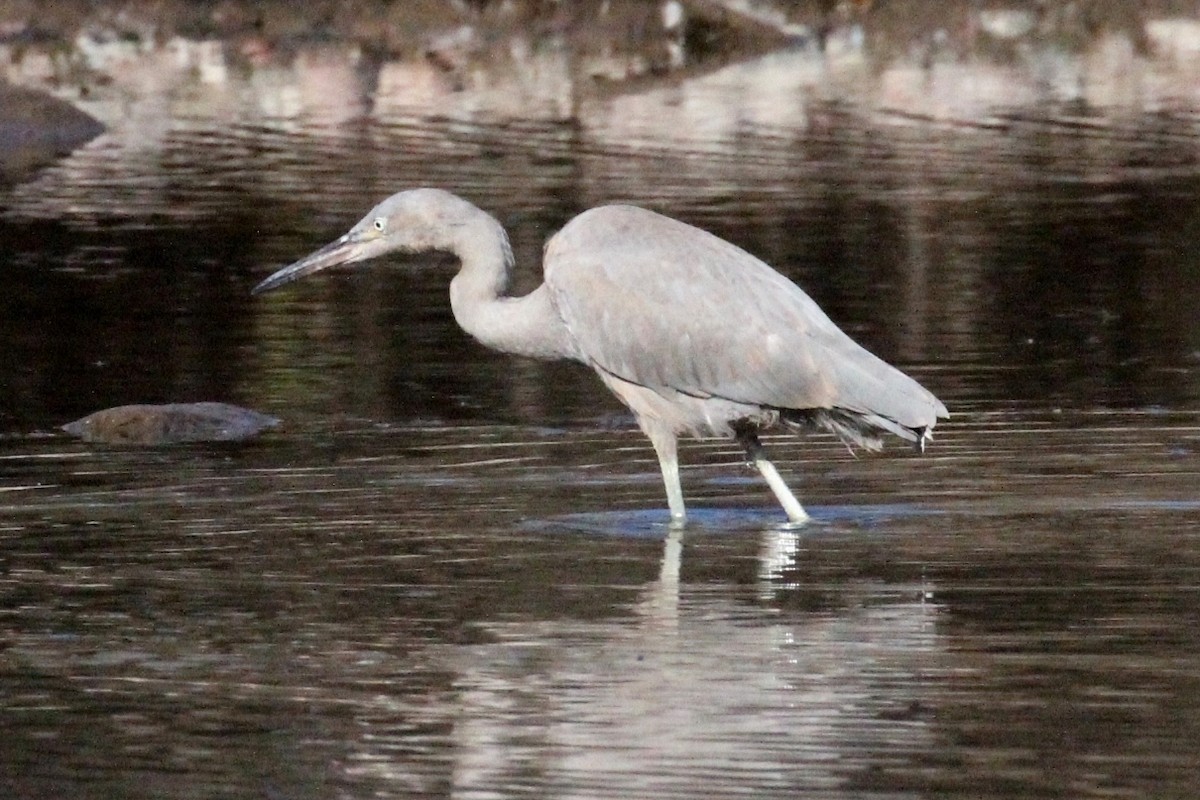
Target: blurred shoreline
524	59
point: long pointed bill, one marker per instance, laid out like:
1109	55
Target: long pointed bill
344	250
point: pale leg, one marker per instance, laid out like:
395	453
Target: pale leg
754	450
664	445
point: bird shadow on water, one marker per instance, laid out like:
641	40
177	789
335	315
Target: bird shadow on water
655	523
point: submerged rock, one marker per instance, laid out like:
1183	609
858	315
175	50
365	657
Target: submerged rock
170	423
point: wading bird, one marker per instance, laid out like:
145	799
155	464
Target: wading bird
691	332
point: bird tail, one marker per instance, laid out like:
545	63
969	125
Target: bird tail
854	428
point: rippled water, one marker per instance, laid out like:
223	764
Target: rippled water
449	573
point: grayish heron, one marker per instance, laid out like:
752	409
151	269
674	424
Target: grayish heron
691	332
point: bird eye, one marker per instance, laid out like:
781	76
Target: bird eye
379	223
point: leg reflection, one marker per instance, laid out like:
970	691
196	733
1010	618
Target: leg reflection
778	555
662	603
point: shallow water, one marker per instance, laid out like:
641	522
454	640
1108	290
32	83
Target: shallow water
449	573
489	610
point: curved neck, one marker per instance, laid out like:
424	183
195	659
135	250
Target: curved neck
527	326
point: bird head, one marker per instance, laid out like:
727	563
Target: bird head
417	220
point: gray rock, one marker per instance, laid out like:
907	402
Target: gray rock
170	423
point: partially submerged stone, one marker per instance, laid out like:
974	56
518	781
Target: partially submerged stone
36	129
170	423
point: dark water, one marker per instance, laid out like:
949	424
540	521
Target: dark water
448	573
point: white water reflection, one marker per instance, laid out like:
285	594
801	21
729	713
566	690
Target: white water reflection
698	695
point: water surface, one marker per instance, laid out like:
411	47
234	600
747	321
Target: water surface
448	573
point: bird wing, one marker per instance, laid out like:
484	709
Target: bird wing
660	303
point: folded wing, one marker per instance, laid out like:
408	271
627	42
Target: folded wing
665	305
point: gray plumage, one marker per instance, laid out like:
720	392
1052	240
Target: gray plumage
691	332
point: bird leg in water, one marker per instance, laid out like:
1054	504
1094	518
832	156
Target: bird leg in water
664	442
758	456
